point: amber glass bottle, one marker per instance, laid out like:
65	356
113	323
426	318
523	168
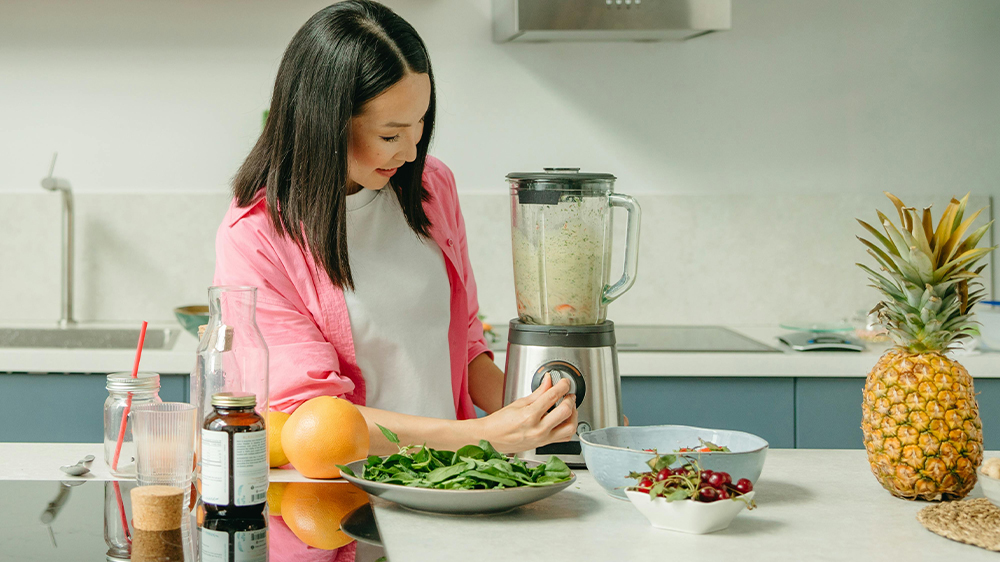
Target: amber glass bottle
232	539
234	457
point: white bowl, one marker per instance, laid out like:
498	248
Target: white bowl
688	516
991	488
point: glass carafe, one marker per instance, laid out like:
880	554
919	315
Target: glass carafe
561	232
232	355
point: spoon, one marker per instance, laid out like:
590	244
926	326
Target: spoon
80	468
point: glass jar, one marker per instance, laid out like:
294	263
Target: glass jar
124	393
561	236
117	534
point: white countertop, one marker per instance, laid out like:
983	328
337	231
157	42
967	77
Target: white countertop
180	360
812	505
41	461
787	363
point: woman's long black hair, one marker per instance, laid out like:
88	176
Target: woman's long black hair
344	56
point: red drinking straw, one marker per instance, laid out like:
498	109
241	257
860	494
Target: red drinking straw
121	510
121	432
128	399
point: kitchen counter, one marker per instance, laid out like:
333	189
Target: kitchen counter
787	363
812	505
41	461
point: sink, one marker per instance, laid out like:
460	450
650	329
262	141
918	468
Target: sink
86	338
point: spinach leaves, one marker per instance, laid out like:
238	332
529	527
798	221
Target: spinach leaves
473	467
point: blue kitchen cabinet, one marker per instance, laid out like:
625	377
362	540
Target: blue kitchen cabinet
66	408
828	413
988	397
762	406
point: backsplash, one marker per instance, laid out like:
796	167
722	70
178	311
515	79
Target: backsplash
736	259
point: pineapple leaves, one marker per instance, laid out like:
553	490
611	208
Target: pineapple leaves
900	208
929	278
928	224
944	228
878	236
973	240
880	256
944	253
963	292
897	239
966	259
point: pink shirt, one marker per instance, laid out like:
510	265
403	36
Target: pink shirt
303	316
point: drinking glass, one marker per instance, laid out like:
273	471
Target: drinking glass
164	438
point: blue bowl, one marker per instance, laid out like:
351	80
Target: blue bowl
613	452
191	317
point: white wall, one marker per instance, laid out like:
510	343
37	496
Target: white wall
801	95
751	150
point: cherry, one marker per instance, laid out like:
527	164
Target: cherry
708	495
705	475
717	480
744	486
723	494
664	474
646	482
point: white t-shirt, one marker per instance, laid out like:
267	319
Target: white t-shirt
400	309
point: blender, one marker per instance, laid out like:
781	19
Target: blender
561	234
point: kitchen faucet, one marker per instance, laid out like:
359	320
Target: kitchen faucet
59	184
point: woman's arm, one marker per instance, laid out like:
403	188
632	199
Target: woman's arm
524	424
486	383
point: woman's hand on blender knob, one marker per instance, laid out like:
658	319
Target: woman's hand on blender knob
528	423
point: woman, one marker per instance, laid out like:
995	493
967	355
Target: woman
355	240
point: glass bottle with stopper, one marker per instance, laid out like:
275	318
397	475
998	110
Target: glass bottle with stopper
232	355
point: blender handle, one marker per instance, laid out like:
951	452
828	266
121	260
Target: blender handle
612	292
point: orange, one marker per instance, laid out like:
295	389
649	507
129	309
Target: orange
275	493
275	421
313	511
323	433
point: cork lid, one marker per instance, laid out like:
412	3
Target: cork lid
157	508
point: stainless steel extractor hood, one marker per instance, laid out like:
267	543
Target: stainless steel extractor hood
608	20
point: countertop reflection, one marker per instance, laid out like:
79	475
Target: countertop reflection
82	520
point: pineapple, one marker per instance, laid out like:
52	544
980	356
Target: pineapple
920	418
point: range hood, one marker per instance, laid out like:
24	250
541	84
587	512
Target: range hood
608	20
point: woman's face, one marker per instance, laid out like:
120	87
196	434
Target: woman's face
385	135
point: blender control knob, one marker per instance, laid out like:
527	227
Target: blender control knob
559	370
582	427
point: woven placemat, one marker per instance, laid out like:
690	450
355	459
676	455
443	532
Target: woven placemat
975	522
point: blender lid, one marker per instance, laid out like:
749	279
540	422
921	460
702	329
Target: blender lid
559	175
548	187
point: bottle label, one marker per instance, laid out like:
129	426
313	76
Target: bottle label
250	546
215	467
250	468
214	546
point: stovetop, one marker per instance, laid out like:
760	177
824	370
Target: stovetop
664	338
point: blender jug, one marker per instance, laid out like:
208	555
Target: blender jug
561	231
